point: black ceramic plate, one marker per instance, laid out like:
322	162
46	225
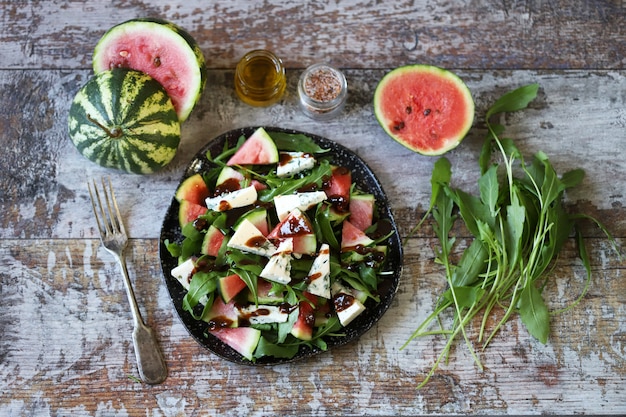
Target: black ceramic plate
366	181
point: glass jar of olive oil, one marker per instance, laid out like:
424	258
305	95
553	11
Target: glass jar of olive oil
260	78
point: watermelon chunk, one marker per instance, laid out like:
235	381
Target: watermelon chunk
258	149
222	314
212	242
228	180
160	49
230	286
303	326
258	217
242	339
351	237
362	210
296	226
265	294
193	189
189	211
338	188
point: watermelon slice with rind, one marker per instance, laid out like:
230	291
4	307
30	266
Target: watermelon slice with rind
258	149
243	339
160	49
425	108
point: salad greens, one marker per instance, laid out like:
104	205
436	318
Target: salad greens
518	224
358	271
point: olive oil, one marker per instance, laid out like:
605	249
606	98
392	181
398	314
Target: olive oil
260	78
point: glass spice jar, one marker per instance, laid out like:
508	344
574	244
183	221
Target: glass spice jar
260	78
322	90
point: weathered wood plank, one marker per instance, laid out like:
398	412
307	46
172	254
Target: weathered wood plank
65	347
351	34
578	120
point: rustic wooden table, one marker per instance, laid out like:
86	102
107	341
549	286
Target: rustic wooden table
65	324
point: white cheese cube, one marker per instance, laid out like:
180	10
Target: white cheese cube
293	163
350	313
278	268
238	198
249	239
319	275
285	204
262	314
347	306
183	272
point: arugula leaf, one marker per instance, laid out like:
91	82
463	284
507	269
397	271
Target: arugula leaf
534	313
513	101
201	287
296	142
280	186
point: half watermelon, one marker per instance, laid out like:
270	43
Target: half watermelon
425	108
160	49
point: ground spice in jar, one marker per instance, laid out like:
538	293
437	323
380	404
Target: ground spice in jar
322	85
322	90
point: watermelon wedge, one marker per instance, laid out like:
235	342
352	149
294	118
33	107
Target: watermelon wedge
192	189
189	211
230	286
258	149
243	339
222	314
160	49
212	242
362	210
297	227
425	108
351	237
303	326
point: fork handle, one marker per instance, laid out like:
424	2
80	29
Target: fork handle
150	362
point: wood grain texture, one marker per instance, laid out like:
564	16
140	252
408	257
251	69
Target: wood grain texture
476	34
66	349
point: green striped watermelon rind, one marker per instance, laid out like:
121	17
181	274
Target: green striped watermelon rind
124	119
189	67
427	109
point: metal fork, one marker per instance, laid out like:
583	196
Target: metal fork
150	362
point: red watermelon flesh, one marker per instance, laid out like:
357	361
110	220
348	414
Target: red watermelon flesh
338	188
222	314
362	210
230	286
193	189
258	149
303	326
427	109
298	227
213	241
243	339
160	49
351	237
188	212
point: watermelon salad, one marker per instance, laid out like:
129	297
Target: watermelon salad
279	247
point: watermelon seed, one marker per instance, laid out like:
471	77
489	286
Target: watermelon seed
426	112
157	61
409	110
398	125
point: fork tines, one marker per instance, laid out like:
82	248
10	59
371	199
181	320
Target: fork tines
108	220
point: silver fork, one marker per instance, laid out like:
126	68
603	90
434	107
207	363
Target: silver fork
150	362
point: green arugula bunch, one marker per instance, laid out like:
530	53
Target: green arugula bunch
518	223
